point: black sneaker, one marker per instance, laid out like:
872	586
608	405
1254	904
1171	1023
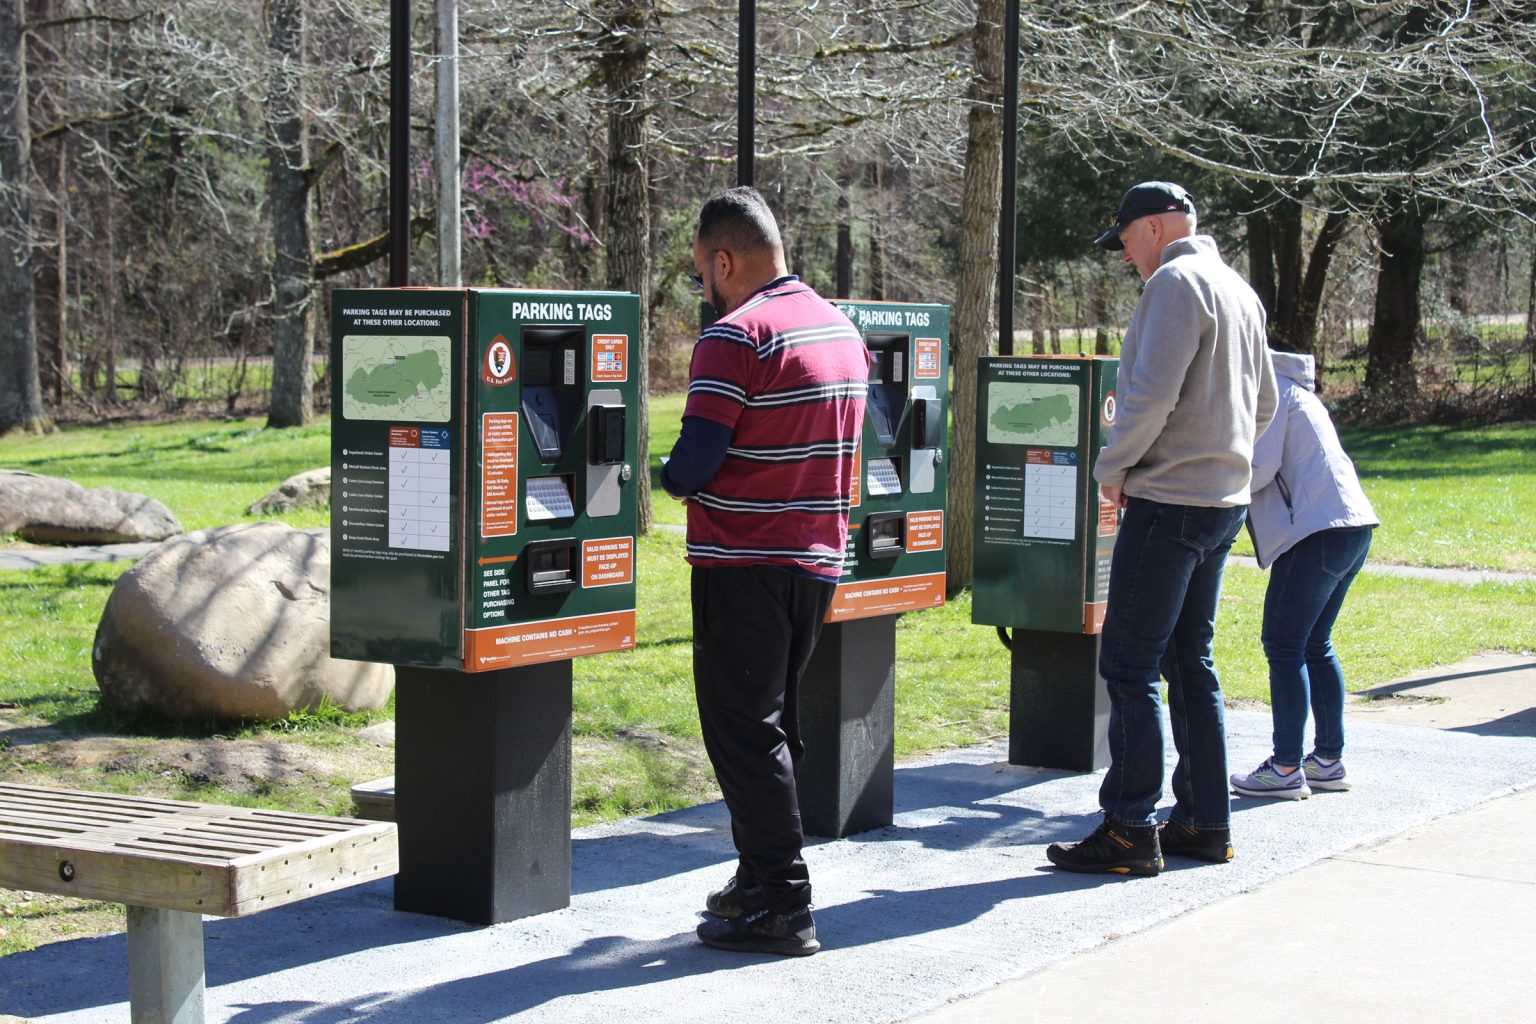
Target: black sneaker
734	899
1111	849
1213	845
763	931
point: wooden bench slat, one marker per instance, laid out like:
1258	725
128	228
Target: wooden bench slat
22	830
241	830
170	843
89	816
173	855
62	797
318	824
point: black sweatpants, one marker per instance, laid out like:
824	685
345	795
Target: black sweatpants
753	632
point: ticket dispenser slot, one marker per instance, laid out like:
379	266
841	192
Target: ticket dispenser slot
888	378
552	388
549	566
885	534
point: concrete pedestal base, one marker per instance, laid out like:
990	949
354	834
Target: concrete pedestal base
483	791
848	721
1059	709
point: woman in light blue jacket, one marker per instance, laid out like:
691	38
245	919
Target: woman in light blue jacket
1311	527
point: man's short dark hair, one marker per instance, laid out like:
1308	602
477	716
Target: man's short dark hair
738	219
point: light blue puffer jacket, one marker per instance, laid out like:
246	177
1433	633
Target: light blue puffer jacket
1302	480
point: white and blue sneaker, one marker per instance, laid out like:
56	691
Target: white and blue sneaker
1267	780
1328	775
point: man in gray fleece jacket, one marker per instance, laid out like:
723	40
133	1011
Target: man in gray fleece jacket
1195	390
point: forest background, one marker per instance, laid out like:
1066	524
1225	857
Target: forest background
182	185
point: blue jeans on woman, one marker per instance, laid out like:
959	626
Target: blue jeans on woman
1164	582
1307	585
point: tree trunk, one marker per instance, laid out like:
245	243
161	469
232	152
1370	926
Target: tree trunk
50	269
109	363
446	147
50	168
21	393
1274	266
624	62
1101	309
1261	260
876	233
1530	328
1395	324
1302	334
288	192
975	322
844	259
1285	235
1037	318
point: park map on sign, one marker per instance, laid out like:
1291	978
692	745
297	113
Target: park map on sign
1032	413
396	378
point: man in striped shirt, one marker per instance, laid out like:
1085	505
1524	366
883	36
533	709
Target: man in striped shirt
765	461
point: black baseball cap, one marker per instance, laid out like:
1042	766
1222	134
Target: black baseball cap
1145	199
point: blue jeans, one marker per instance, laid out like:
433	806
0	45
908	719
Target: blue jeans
1307	585
1164	582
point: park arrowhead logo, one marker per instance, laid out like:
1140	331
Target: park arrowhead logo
499	368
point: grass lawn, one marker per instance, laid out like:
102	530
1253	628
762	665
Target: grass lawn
1451	497
1446	497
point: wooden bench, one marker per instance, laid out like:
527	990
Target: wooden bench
172	862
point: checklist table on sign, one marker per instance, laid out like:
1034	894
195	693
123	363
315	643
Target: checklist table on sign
419	489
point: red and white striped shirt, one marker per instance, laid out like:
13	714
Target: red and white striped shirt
787	373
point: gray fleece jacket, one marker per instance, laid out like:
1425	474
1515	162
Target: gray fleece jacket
1195	387
1303	482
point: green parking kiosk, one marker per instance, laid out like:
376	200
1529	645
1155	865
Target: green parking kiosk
894	563
482	536
1042	544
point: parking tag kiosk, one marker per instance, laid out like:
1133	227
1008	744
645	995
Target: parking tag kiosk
1043	540
895	563
483	535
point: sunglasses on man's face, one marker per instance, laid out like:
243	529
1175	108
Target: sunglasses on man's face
698	282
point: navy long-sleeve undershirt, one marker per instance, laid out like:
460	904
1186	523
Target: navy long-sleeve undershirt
696	457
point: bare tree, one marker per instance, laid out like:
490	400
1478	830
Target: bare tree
288	177
975	323
21	401
623	58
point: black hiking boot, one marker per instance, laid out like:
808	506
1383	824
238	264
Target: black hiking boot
791	933
734	899
1111	848
1212	845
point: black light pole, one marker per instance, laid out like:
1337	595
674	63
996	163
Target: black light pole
746	90
399	143
1007	240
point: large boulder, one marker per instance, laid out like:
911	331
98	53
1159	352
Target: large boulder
48	510
304	490
230	623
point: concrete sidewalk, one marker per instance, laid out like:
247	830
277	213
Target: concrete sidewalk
1436	924
1404	899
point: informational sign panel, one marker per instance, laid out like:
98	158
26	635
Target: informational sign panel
483	495
1043	533
895	559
